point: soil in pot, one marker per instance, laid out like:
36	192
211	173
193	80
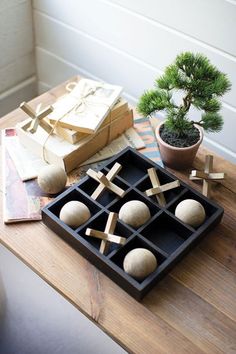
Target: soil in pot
173	139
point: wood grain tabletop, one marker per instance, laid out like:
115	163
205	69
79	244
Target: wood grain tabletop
192	310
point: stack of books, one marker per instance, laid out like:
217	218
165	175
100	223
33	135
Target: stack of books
83	121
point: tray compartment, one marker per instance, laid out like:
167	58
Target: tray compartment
135	242
69	195
133	167
170	195
209	207
99	223
89	186
166	233
134	195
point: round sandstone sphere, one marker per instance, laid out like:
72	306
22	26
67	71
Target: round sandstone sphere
139	263
190	212
52	179
74	213
134	213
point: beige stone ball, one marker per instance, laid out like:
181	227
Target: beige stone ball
52	179
190	212
74	213
139	263
134	213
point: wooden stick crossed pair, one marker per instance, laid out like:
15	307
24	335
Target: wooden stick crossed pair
37	117
207	176
105	182
107	236
158	189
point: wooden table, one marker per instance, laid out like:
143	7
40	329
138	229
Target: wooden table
192	310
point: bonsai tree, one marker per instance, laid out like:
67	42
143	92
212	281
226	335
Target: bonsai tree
200	84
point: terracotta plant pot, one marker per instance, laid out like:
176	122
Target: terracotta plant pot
174	157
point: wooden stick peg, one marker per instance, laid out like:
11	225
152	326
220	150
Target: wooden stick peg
163	188
103	179
104	236
156	183
109	229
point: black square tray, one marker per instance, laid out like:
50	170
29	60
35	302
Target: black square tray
164	234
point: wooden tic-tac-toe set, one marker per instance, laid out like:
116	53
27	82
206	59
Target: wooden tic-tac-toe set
137	219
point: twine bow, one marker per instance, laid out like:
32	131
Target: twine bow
82	96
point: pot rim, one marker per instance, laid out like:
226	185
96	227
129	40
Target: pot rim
175	147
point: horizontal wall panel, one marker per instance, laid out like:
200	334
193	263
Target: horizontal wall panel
218	149
93	55
11	99
16	35
52	71
17	71
110	65
210	21
135	35
57	65
10	3
204	20
49	66
42	87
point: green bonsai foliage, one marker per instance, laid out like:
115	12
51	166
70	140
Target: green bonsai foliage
201	85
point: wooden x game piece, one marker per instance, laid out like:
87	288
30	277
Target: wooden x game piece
157	189
106	181
37	117
207	176
107	236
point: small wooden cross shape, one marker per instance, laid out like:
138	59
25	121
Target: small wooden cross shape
207	176
157	189
106	181
107	236
37	117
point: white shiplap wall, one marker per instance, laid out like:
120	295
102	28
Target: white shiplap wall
17	62
129	42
